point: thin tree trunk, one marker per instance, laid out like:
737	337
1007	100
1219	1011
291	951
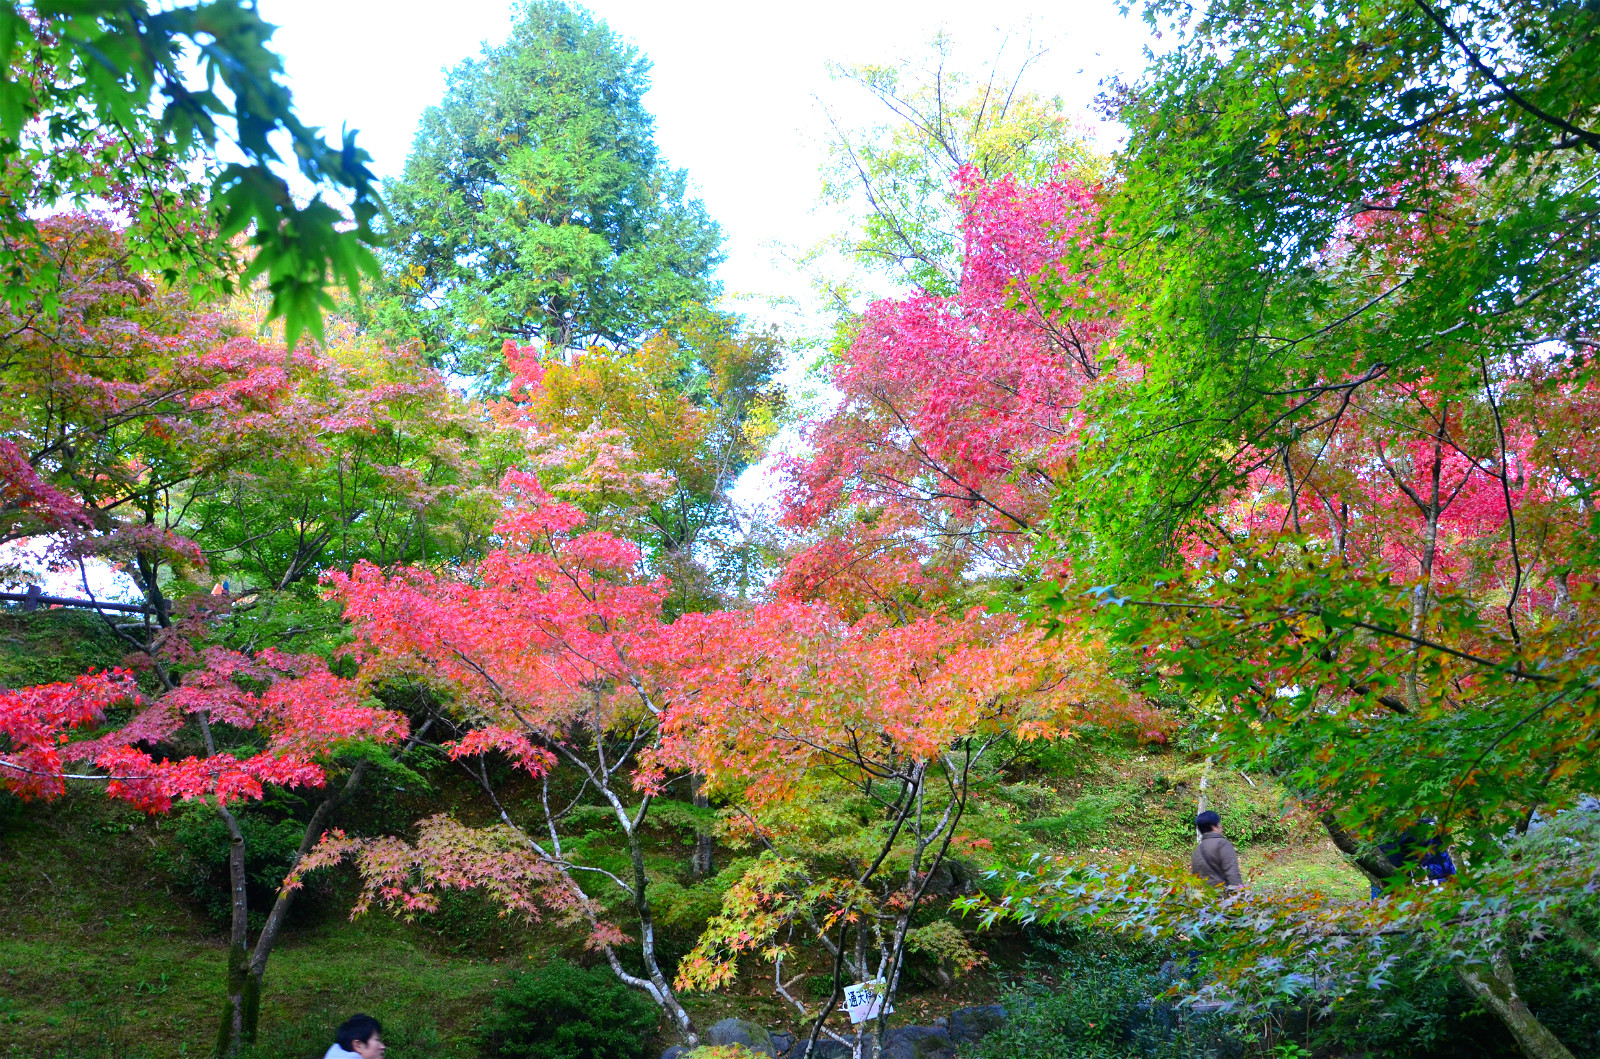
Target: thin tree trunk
700	863
268	938
647	938
654	983
1420	596
243	999
1496	987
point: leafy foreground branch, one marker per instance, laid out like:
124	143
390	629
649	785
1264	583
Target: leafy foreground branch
1265	947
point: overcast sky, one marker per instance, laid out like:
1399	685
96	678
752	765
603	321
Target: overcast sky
734	84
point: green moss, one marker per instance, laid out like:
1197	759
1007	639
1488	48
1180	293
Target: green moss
100	958
45	646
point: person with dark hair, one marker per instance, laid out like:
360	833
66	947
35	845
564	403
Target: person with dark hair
358	1038
1214	859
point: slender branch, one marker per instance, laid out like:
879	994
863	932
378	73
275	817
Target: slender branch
1574	132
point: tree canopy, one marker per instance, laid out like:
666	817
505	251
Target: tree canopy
1319	197
535	206
96	103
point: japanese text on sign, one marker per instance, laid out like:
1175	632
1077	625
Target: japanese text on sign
863	999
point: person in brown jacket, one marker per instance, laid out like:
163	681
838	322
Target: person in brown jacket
1214	859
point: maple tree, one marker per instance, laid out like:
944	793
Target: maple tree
121	394
649	443
1393	615
166	438
1406	210
854	728
374	458
553	653
960	413
848	751
536	651
135	412
1340	499
267	719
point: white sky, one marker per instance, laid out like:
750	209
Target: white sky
733	84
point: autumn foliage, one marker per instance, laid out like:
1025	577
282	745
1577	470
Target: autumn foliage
301	712
1145	445
959	412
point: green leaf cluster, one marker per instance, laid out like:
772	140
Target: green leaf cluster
1320	197
97	102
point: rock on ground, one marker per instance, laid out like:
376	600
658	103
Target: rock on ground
971	1025
918	1042
752	1035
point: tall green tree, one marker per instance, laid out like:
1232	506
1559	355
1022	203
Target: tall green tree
535	206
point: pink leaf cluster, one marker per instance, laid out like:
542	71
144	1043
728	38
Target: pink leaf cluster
303	713
539	634
26	500
961	408
447	855
1407	477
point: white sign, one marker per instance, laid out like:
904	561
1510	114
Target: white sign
863	999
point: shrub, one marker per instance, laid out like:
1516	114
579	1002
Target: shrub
199	863
560	1011
1094	999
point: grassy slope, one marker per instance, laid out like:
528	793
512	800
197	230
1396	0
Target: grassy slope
52	645
100	957
1140	804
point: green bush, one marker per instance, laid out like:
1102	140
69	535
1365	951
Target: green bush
1093	998
1427	1012
199	864
560	1011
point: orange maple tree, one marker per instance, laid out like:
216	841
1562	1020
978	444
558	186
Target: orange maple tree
800	718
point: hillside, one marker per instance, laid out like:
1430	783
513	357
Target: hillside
106	950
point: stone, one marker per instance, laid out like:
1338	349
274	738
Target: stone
918	1042
673	1052
951	877
783	1042
826	1048
971	1025
752	1035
